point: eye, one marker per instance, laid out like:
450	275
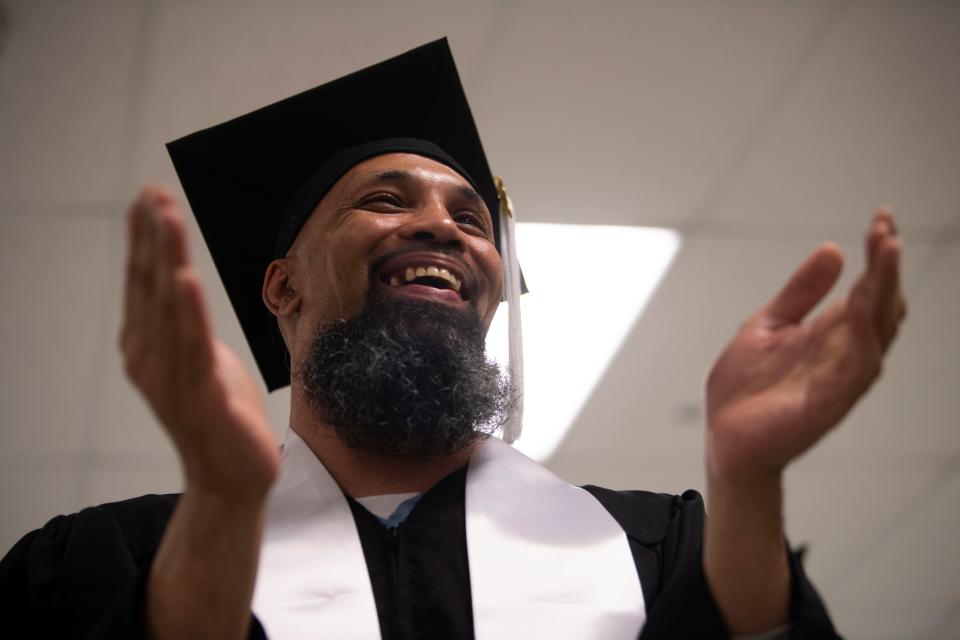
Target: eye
382	200
473	220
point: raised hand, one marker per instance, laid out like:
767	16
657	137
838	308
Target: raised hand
202	577
202	394
780	385
783	382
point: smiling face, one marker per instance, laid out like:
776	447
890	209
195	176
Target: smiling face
407	225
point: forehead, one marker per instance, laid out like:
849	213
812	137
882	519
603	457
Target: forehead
398	167
393	169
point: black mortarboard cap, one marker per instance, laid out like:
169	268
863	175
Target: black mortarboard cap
252	181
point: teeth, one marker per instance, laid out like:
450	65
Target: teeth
411	273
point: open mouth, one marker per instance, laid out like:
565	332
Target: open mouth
424	273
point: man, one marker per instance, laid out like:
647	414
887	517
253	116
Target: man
390	510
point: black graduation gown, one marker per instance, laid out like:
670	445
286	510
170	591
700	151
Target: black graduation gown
84	575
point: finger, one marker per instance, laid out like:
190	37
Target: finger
194	335
159	307
863	333
888	307
831	317
144	295
175	232
806	287
880	227
139	274
172	245
177	291
880	286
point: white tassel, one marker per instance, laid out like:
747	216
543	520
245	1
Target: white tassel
512	288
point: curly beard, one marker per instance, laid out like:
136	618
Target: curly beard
406	378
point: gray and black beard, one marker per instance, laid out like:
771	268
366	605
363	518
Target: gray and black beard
406	378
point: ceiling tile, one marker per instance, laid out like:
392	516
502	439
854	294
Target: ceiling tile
51	276
872	119
67	72
212	61
630	113
844	512
911	554
620	116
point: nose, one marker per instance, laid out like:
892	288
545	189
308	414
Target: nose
433	223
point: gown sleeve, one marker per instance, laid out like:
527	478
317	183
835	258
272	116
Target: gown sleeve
666	537
84	575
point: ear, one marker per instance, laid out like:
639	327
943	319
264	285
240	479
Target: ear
278	292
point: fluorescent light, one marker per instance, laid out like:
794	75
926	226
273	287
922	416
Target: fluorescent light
588	285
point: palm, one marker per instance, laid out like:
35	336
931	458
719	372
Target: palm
219	416
782	383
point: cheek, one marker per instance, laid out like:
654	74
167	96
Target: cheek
346	260
492	268
339	280
348	283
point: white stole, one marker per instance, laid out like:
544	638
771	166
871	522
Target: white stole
546	559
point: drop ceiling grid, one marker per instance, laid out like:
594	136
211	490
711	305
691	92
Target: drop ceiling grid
166	112
51	280
64	73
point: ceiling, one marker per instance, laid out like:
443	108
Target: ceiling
755	129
